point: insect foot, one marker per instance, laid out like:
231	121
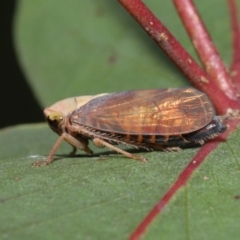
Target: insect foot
39	163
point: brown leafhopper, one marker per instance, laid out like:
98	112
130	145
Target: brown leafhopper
151	119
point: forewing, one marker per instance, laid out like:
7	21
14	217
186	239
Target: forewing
147	112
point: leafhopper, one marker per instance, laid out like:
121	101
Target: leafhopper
155	119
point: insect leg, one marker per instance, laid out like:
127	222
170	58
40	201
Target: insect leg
50	155
73	152
172	149
71	140
100	142
77	143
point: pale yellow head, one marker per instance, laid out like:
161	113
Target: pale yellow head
57	113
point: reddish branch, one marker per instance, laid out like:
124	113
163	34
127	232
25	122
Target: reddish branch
196	75
235	67
205	48
181	181
217	83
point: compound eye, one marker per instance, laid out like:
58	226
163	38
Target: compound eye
55	120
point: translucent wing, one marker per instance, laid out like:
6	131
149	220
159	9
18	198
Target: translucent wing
147	112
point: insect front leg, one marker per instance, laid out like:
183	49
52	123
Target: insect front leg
100	143
71	140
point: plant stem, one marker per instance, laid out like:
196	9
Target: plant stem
205	47
168	43
235	66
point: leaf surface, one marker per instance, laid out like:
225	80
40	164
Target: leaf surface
73	48
107	195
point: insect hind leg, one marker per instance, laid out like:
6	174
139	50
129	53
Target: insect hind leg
100	143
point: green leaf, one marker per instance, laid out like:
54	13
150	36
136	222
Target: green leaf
209	205
69	48
73	48
106	196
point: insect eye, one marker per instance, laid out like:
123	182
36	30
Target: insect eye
54	119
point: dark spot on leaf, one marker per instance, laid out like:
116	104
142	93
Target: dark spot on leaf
112	59
237	197
100	12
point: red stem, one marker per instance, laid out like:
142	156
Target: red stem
205	47
196	75
181	181
235	66
217	84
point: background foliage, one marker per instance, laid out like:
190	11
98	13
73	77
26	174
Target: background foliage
71	48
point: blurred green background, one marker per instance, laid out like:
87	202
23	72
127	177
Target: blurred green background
16	96
74	47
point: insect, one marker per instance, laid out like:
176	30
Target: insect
151	119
